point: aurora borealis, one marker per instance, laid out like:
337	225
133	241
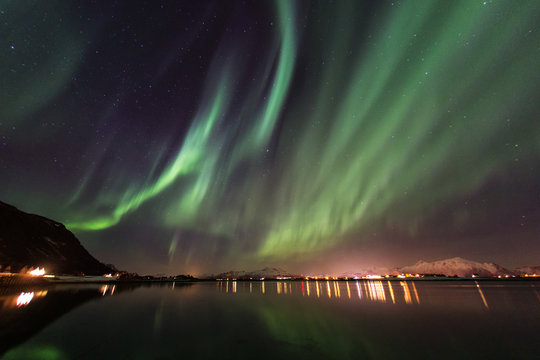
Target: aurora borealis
201	136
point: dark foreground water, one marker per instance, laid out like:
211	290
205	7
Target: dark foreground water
274	320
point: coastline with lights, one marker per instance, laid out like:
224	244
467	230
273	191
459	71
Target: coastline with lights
39	275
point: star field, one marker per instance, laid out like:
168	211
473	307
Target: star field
201	136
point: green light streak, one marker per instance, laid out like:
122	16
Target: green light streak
43	352
59	56
283	76
198	157
410	127
189	159
387	122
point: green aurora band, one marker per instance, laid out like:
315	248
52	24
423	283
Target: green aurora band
403	123
426	102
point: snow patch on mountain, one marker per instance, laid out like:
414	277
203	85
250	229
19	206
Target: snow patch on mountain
456	267
527	270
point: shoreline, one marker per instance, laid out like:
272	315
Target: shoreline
16	280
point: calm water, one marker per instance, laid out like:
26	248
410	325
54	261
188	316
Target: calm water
274	320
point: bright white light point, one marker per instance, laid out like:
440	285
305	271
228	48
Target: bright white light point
25	298
37	272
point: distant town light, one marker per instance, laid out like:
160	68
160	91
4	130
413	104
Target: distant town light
37	272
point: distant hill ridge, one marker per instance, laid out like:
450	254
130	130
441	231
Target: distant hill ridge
267	272
457	267
28	240
523	270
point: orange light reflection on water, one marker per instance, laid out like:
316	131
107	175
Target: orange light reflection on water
24	298
391	292
376	291
367	290
415	293
482	295
407	292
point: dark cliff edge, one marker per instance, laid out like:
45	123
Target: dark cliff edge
28	240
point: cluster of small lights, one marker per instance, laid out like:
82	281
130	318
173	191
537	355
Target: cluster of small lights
37	271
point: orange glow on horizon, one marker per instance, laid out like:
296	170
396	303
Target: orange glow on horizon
407	292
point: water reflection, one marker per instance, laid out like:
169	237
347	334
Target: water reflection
310	319
24	312
415	292
406	292
375	291
19	299
481	295
25	298
109	289
366	290
391	292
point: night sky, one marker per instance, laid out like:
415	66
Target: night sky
175	137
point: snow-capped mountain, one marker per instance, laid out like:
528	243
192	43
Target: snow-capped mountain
456	267
527	270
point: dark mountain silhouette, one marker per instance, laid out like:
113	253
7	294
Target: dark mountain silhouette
28	240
